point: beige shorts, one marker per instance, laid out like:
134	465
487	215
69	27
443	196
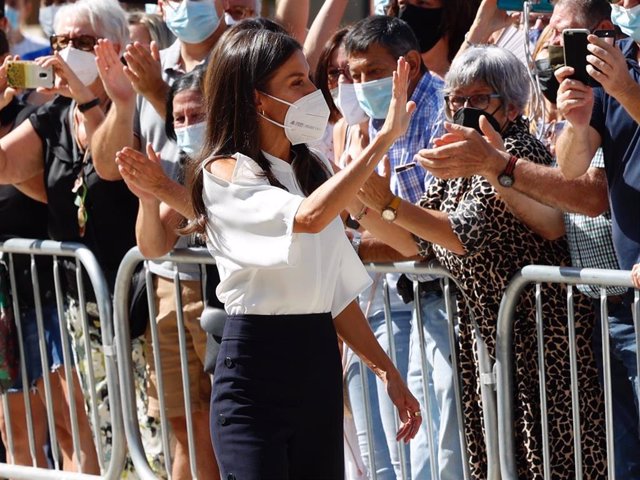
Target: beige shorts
168	342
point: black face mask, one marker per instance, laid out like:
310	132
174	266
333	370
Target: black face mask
546	68
425	23
470	117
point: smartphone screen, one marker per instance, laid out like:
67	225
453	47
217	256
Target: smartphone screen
575	53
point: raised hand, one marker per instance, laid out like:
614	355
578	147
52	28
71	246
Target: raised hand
145	171
111	71
608	66
400	110
143	69
463	152
376	193
66	82
575	99
7	93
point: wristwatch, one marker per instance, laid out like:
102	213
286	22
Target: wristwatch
390	212
506	178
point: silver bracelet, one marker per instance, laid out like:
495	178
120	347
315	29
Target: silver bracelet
355	242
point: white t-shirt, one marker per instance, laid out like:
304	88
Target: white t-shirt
264	267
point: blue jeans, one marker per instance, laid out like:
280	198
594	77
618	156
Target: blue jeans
441	394
31	346
624	384
383	413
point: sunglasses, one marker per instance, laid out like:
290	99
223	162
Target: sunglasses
81	42
480	101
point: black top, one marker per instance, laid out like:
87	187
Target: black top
111	207
620	135
21	216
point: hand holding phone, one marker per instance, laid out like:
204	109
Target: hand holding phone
28	74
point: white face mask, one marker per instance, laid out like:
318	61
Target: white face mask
306	119
348	104
190	139
82	63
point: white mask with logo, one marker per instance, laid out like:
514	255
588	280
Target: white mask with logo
82	63
306	119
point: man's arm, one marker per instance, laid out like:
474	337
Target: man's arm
579	140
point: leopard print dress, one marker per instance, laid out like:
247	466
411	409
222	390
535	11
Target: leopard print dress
498	245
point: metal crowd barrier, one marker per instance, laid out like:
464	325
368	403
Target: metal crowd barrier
121	294
110	465
201	256
505	364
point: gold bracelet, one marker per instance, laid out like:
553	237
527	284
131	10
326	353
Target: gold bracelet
361	213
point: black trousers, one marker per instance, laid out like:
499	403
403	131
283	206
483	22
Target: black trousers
276	403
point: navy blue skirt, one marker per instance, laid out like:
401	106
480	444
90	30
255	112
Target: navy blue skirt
276	402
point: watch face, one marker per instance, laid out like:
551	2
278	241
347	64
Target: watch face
505	180
389	215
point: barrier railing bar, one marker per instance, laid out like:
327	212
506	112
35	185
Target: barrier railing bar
364	381
157	361
542	378
44	363
23	375
425	374
453	348
606	374
393	357
82	301
184	366
575	401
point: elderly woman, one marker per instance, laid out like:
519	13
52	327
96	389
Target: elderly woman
484	232
54	145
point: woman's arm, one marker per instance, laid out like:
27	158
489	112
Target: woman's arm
21	155
354	330
156	228
34	188
324	25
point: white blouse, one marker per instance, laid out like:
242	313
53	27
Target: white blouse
264	267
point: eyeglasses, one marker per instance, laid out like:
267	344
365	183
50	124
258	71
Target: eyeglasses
333	74
81	42
481	100
239	12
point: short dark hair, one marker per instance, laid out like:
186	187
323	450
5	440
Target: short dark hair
590	11
395	35
194	80
321	75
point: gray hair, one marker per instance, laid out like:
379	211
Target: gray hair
497	67
106	17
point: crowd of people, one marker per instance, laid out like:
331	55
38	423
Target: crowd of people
296	149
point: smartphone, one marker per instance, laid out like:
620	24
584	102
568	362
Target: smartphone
27	74
538	6
608	35
575	53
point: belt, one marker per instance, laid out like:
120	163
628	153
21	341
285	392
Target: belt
430	286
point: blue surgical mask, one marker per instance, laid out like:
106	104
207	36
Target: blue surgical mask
46	16
191	138
192	21
13	16
628	19
375	96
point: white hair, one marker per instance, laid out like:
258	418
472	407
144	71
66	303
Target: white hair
106	17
